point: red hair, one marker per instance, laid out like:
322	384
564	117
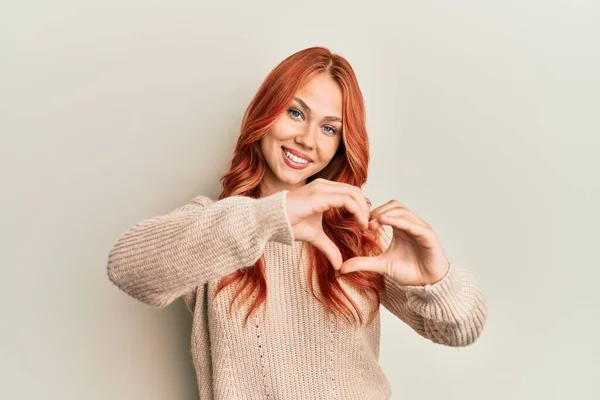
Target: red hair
349	165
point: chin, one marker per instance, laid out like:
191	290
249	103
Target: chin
292	181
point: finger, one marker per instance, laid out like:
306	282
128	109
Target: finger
356	193
327	247
372	264
394	207
349	202
361	214
406	214
362	201
418	232
376	212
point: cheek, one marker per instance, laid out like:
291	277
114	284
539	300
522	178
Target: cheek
328	148
285	128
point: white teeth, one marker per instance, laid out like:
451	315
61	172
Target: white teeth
294	158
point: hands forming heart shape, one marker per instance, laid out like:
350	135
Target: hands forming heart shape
415	255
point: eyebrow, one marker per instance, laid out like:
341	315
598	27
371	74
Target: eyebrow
307	108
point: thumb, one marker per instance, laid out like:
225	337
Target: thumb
371	264
322	242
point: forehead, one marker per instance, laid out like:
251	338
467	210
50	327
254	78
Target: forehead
323	95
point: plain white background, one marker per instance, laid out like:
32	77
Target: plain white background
483	118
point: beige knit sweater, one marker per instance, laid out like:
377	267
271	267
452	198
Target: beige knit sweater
295	350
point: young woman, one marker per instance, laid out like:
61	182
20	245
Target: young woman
282	270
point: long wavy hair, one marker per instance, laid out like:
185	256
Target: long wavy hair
349	165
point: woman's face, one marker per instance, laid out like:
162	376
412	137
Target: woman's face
311	127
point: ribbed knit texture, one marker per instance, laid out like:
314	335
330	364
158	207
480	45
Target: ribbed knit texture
292	349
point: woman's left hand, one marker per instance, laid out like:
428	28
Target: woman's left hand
415	256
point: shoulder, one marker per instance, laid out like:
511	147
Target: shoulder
201	200
196	203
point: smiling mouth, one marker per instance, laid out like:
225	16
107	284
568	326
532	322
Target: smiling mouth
287	151
291	163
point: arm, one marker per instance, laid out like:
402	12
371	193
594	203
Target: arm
164	257
451	312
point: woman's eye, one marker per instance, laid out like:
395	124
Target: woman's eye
329	129
294	113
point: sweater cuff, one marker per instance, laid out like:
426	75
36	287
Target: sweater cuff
443	291
271	211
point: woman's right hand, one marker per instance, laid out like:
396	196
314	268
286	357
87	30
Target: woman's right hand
305	207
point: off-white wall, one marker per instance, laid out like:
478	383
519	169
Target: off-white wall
484	119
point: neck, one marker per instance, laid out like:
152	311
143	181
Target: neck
270	185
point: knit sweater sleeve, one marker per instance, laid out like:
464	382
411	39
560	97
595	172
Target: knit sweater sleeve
167	256
451	311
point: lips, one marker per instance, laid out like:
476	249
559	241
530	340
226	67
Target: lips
298	153
291	163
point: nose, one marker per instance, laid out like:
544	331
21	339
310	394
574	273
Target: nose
307	138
